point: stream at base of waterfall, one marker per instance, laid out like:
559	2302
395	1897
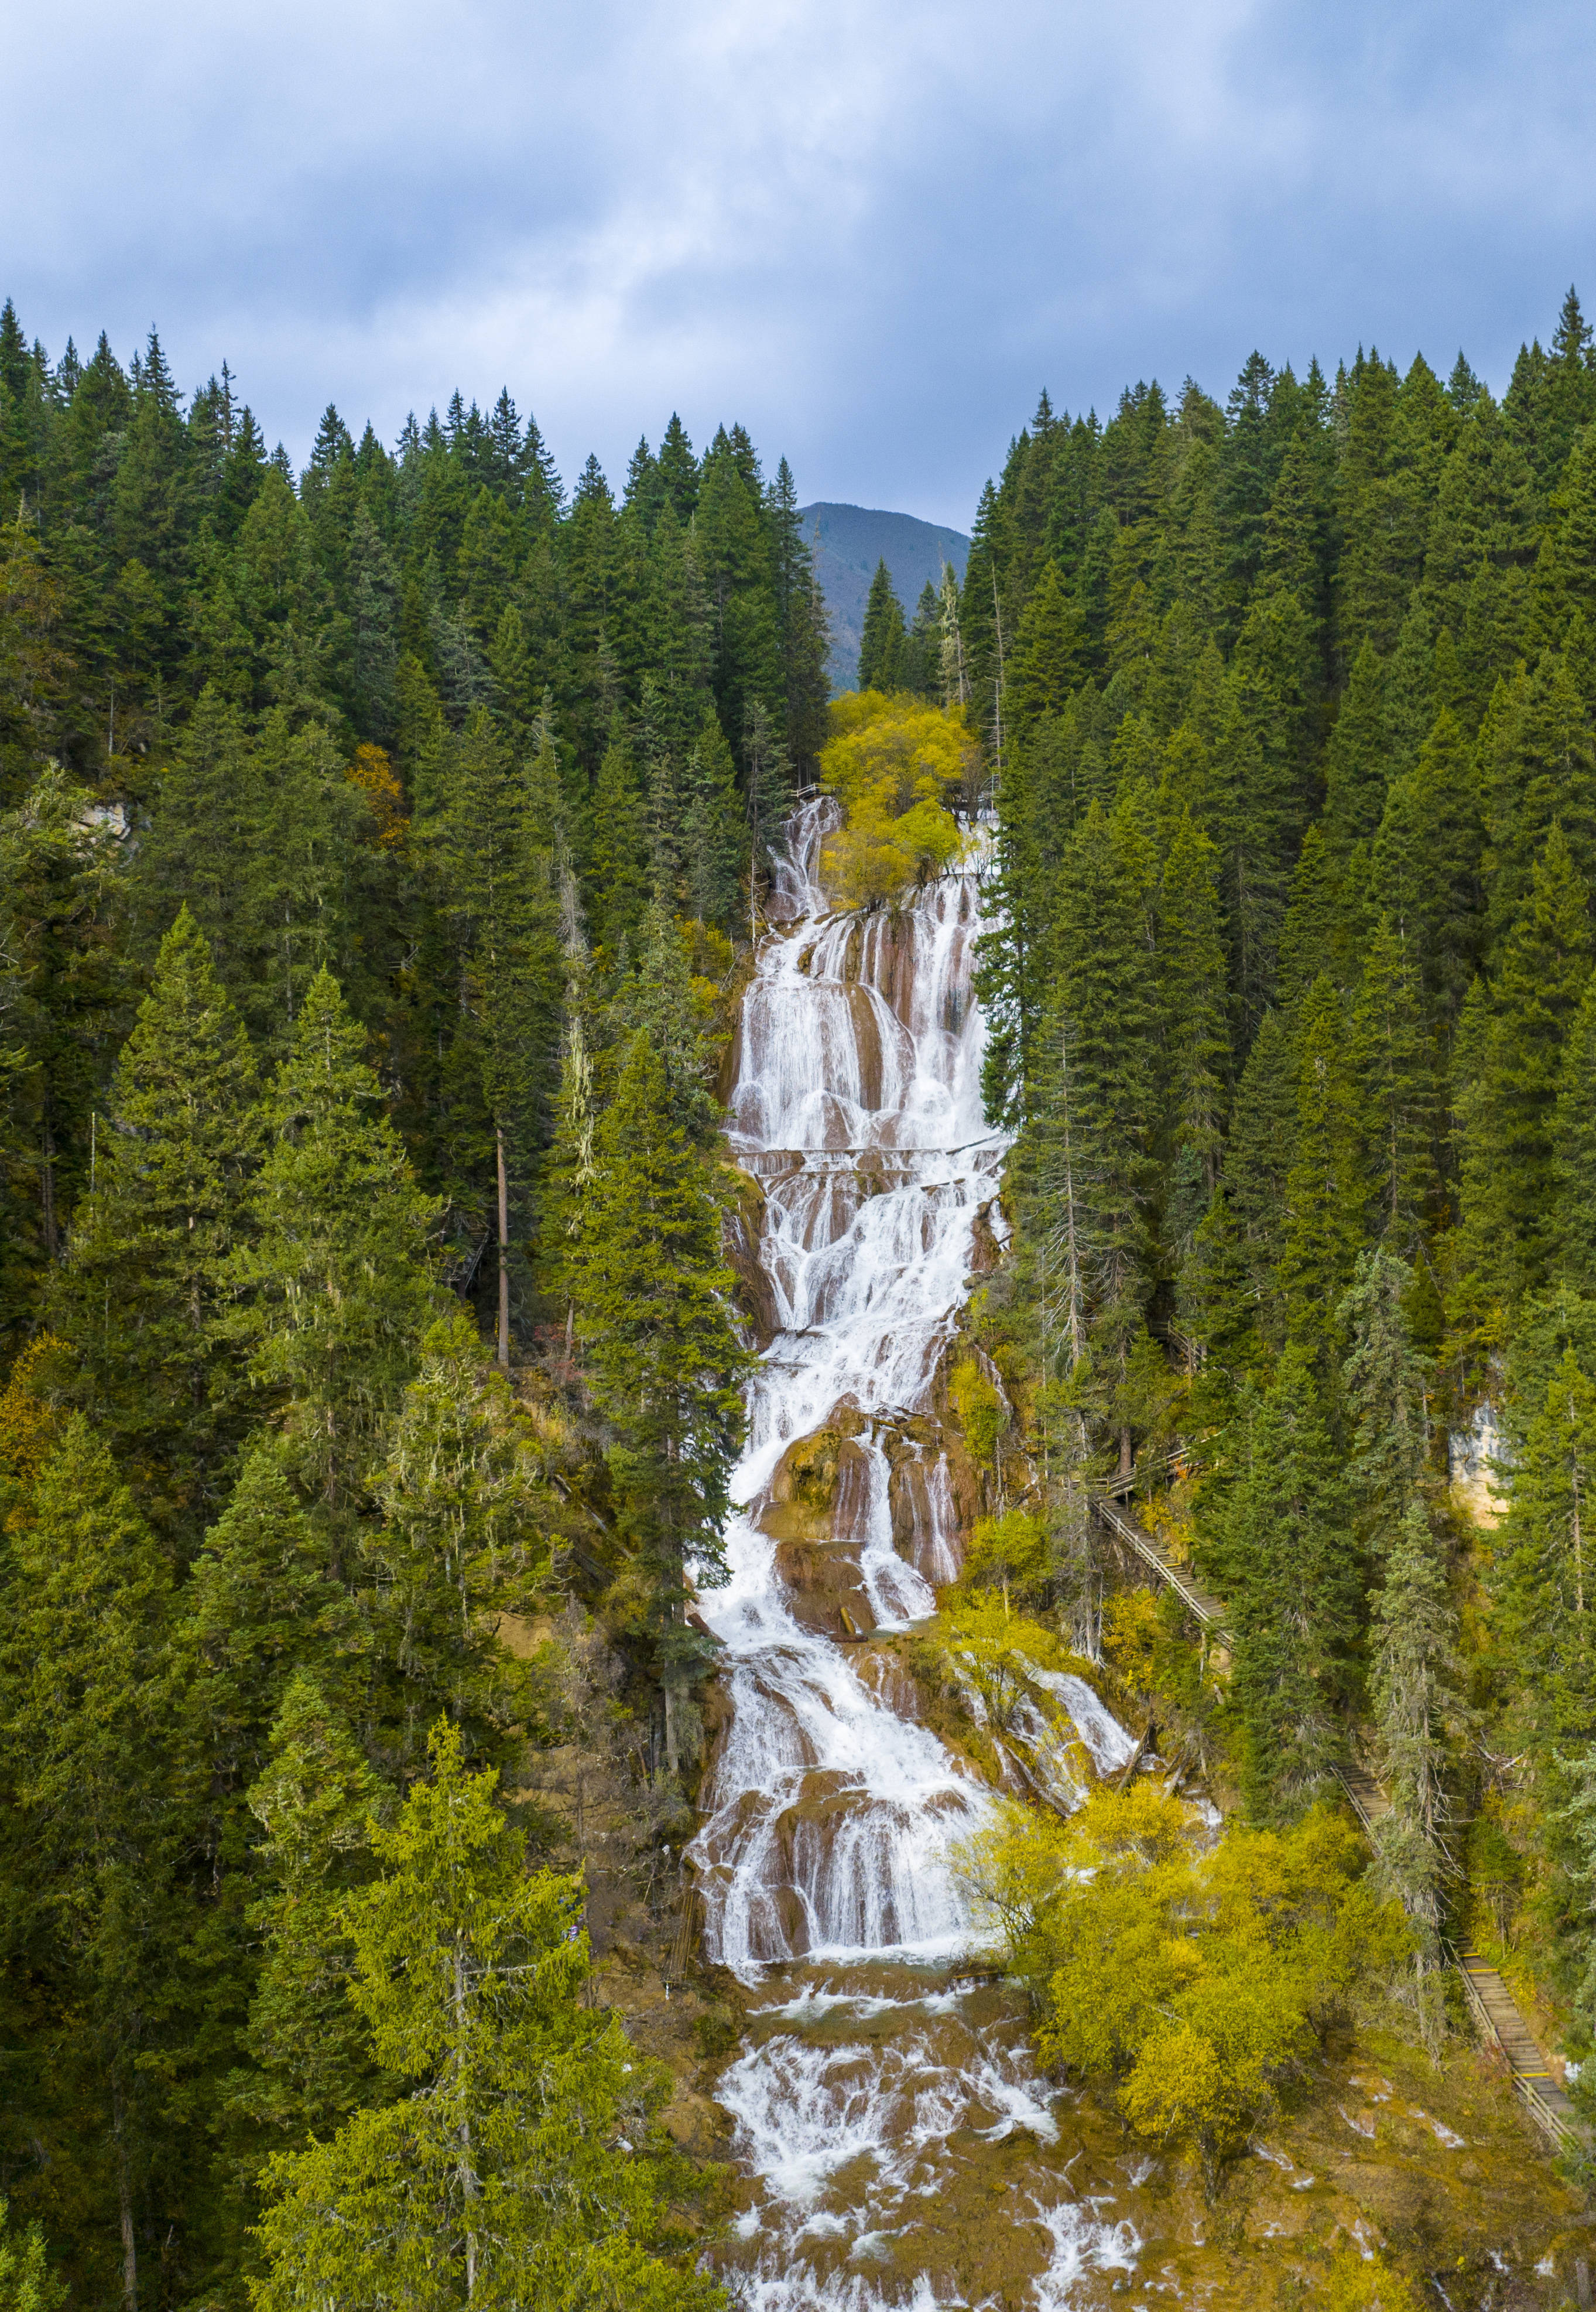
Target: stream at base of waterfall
899	2147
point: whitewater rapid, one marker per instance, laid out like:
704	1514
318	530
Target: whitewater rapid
823	1859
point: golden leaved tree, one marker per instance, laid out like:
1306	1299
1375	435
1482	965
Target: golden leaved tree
894	764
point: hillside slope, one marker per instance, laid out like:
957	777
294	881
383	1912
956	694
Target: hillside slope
852	541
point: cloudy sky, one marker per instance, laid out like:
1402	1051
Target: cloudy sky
870	230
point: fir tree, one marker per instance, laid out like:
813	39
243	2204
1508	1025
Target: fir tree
881	641
1415	1687
462	1542
147	1296
339	1283
661	1355
1282	1542
495	2176
313	1801
1323	1187
91	1699
498	869
1510	1073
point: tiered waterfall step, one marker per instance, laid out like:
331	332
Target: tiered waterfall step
1494	2010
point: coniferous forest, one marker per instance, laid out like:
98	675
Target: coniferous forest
381	849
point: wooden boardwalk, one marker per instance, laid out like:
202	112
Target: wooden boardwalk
1495	2012
1129	1530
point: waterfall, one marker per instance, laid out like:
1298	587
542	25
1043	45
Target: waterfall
828	1808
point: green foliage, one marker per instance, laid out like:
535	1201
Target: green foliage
27	2284
499	2172
651	1297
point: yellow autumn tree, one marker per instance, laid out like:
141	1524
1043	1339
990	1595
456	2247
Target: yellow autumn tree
374	774
1191	1981
894	764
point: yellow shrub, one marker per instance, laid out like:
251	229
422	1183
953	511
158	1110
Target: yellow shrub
982	1414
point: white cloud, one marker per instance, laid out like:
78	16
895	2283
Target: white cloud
871	231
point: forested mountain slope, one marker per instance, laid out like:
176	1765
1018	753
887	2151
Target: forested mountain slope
380	850
1294	1015
849	542
374	847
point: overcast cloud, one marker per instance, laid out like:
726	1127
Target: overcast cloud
870	232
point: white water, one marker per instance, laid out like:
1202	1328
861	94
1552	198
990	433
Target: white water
829	1815
868	2098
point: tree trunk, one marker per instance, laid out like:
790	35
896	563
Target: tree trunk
125	2204
503	1250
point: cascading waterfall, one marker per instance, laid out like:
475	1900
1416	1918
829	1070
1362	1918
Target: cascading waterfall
829	1809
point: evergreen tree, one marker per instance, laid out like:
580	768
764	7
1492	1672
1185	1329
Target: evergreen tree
495	2177
1415	1687
262	1607
1282	1550
1510	1076
662	1355
1574	1151
103	1793
313	1802
714	831
147	1296
619	879
1399	1107
1382	1383
463	1541
1258	1163
881	641
1191	1001
1426	863
1354	761
338	1272
498	868
1323	1187
1047	658
1090	1163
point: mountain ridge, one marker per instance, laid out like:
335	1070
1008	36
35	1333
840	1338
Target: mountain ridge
850	541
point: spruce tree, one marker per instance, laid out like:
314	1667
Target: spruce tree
498	869
1511	1075
463	1541
1324	1191
715	837
1090	1161
337	1274
262	1607
1356	768
661	1356
1384	1389
1048	657
314	1802
495	2176
105	1794
1258	1163
147	1294
619	875
1425	871
1192	994
1284	1560
1415	1687
1574	1151
881	640
1399	1107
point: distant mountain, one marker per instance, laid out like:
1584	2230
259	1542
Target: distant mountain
853	540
